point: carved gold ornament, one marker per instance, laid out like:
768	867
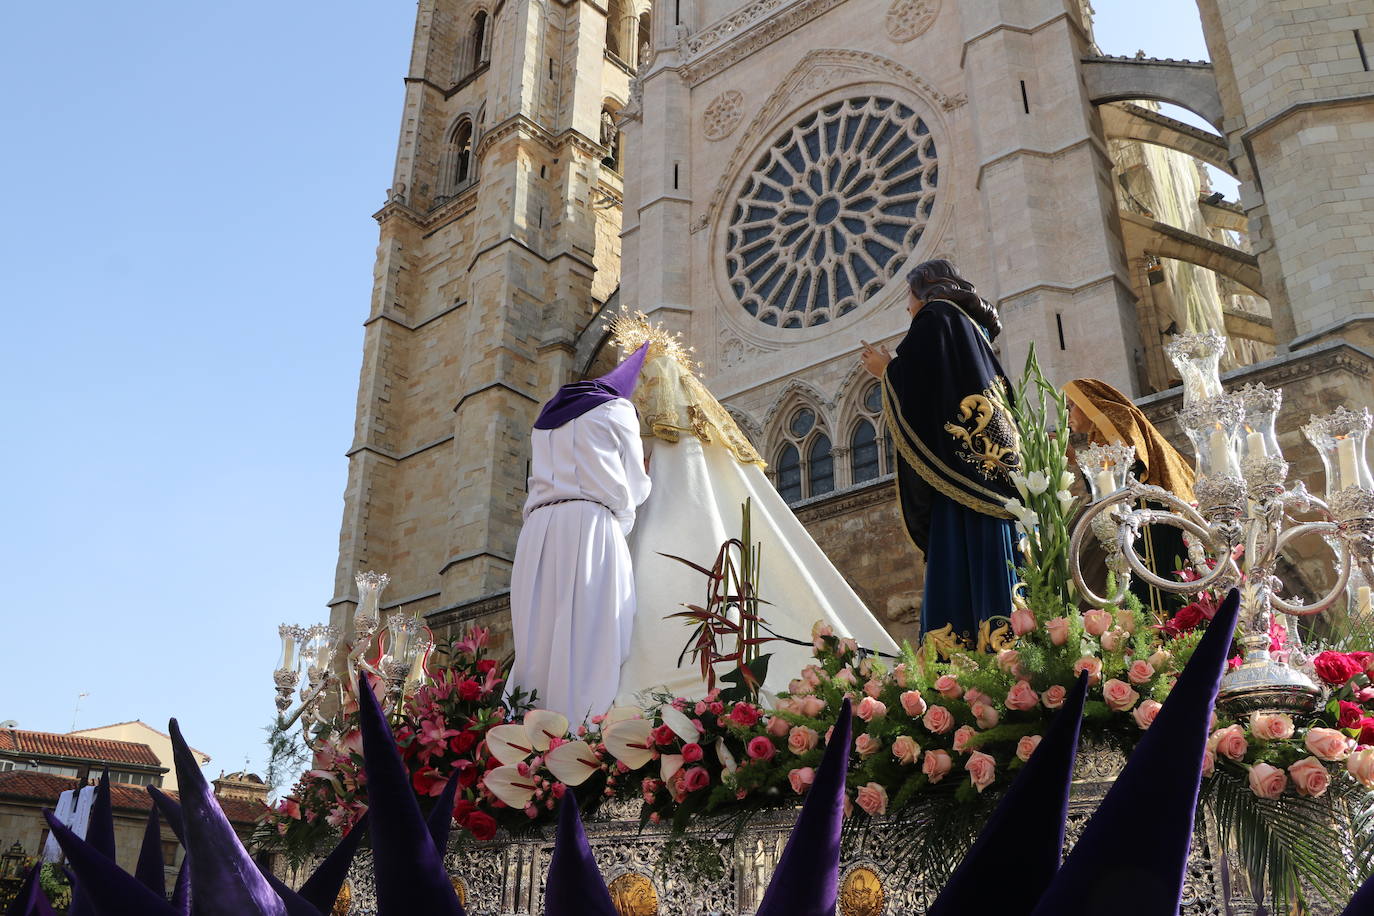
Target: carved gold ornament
344	901
634	895
460	889
987	436
861	893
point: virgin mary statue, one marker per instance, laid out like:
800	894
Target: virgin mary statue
703	470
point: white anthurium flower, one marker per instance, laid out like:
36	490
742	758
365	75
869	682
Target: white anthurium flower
620	714
510	785
682	726
629	742
669	764
572	763
1066	480
543	726
510	743
726	758
1065	501
1037	482
1020	482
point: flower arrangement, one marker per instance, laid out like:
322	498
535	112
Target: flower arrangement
936	739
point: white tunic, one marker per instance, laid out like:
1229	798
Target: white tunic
573	589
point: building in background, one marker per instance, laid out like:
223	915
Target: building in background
140	732
723	166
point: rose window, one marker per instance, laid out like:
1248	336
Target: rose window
831	212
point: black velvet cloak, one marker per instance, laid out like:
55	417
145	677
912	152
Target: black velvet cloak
946	400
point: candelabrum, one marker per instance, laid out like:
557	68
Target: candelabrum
398	653
1247	513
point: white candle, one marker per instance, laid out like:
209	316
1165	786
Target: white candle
1254	444
1362	600
1221	452
1105	483
288	653
1345	456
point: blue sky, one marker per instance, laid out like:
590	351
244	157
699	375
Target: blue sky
187	260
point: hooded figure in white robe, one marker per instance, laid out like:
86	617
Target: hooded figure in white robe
573	587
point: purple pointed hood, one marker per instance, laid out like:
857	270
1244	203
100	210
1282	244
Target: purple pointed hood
321	889
574	886
181	891
1153	801
100	836
409	870
1362	904
807	879
575	399
149	870
107	888
440	818
1023	840
30	901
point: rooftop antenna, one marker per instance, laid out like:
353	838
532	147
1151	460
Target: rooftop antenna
77	708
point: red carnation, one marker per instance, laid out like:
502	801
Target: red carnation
481	825
463	742
462	809
663	735
485	665
744	715
469	690
1351	714
691	753
1335	668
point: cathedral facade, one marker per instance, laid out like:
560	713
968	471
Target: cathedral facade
758	173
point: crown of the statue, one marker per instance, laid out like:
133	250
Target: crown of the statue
631	330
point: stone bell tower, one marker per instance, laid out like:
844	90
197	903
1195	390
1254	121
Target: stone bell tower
499	244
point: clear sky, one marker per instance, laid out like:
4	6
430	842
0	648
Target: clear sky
187	262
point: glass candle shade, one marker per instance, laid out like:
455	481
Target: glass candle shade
1106	467
1258	437
1213	427
1198	360
324	641
370	588
291	639
1339	438
403	642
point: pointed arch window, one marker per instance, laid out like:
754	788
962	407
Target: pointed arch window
806	462
870	446
461	146
643	41
478	41
615	24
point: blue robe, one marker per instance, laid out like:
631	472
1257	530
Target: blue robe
946	401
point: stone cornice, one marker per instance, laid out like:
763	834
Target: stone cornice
488	387
847	502
729	40
399	456
485	606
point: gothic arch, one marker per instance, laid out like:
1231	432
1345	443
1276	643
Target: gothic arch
748	425
795	391
1185	83
800	443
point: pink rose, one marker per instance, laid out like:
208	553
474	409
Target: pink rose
1022	698
1145	713
1118	695
873	688
796	687
691	753
1271	726
974	696
848	646
1267	781
873	799
847	677
1058	628
811	706
1113	639
801	779
985	714
1026	746
937	763
939	720
961	736
761	748
947	685
1126	620
905	749
1053	698
1360	764
1096	622
778	727
696	779
1160	660
1230	742
1310	777
1009	660
1022	621
913	704
1090	664
786	704
1209	763
867	745
1140	672
899	674
982	769
812	675
820	630
870	709
1327	744
802	739
744	715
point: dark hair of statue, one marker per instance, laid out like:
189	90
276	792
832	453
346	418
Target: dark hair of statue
938	279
